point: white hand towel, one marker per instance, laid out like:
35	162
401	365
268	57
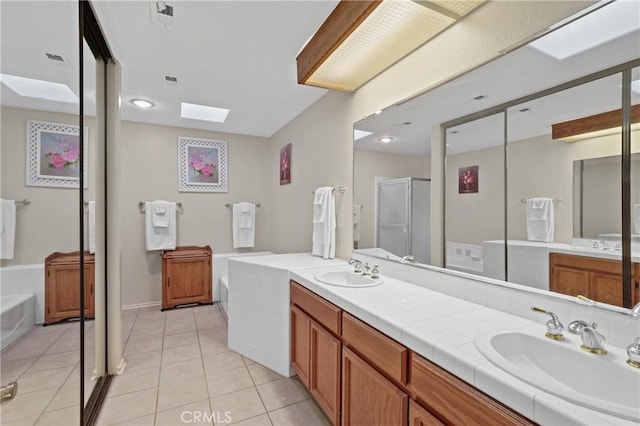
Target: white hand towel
243	225
540	219
156	237
324	223
635	213
357	217
92	226
8	223
160	214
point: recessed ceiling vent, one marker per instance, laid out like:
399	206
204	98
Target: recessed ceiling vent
169	79
164	8
406	123
479	97
55	57
162	13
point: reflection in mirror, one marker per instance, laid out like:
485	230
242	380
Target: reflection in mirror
474	197
496	105
40	163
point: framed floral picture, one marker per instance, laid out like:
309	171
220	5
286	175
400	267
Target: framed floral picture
53	155
202	165
285	164
468	180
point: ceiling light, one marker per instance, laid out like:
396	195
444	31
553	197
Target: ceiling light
359	134
39	89
378	112
360	39
601	26
203	112
141	103
607	123
385	139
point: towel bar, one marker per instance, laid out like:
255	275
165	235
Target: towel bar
555	200
141	205
340	189
24	202
229	204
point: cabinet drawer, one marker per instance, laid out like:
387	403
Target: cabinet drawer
418	416
456	400
585	263
389	356
322	311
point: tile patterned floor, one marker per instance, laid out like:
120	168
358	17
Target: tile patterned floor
179	371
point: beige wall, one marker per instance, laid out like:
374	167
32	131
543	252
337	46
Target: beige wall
367	165
537	167
322	134
50	222
150	172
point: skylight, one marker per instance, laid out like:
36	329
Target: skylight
601	26
39	89
635	86
203	112
359	134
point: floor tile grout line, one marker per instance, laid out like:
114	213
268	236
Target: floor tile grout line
164	327
204	371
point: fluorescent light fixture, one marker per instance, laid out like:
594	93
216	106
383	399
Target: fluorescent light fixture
141	103
203	112
386	139
359	134
39	89
601	26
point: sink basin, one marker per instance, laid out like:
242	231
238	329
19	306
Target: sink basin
346	279
603	383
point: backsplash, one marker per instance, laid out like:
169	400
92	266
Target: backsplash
619	328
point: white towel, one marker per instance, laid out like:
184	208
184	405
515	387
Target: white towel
92	226
540	219
160	238
160	214
243	225
7	228
324	223
635	214
357	217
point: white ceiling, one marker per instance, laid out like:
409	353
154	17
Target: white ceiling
238	55
521	72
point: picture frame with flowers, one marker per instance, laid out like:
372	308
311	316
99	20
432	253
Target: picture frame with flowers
202	165
53	155
468	180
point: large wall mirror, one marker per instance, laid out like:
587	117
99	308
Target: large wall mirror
533	162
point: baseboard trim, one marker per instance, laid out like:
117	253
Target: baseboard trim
141	305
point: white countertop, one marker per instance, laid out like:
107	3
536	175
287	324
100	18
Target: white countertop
288	261
442	328
569	249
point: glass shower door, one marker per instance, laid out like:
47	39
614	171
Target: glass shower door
393	216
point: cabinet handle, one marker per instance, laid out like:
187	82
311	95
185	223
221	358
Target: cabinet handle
168	281
91	292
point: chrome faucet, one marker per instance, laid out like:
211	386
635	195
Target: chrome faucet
592	340
633	350
360	268
554	326
407	259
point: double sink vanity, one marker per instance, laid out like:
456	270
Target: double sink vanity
428	346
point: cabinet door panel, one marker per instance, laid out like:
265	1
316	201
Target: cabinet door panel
64	290
187	279
325	371
569	281
606	288
418	416
368	398
300	345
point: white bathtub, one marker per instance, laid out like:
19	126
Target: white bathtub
17	316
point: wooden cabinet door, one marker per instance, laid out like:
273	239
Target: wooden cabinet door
606	288
63	292
187	280
324	377
300	344
368	398
569	281
418	416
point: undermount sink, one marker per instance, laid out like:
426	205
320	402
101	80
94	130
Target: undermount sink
603	383
347	279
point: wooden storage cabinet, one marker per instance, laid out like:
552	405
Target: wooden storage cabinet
62	286
597	279
368	398
186	276
418	416
315	349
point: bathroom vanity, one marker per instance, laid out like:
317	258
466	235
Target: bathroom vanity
186	276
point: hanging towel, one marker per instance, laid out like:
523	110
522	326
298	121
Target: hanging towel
324	223
7	228
243	225
540	219
357	217
635	214
160	237
92	226
160	214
